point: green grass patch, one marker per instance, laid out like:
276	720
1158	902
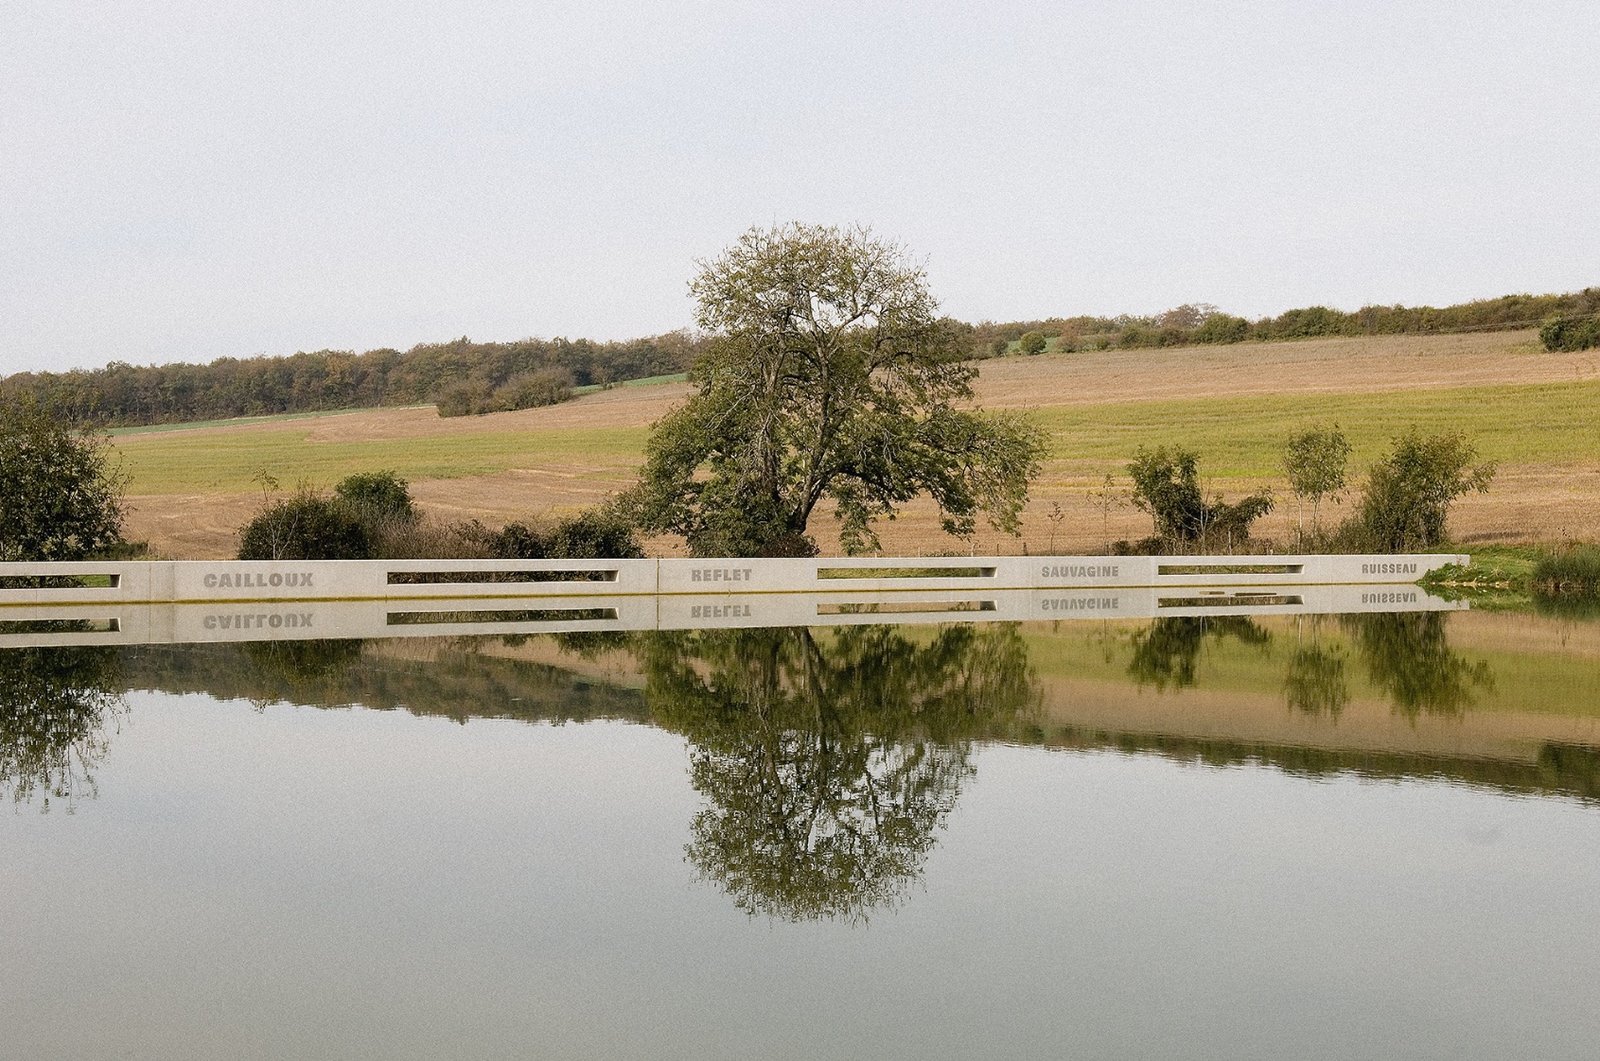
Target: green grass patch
1243	437
642	381
1496	580
1493	567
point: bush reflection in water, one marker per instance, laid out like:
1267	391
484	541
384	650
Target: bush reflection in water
1407	654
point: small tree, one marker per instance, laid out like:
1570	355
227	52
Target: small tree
1033	342
1166	484
59	499
1055	517
1315	462
1106	498
1409	492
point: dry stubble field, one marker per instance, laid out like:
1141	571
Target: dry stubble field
1538	414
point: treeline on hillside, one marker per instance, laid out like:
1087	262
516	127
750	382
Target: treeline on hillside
462	376
1200	323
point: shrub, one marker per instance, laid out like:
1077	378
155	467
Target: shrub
1166	484
1311	321
58	498
1409	492
306	526
601	533
1222	328
377	496
464	398
1136	336
1033	342
547	386
596	534
426	539
1574	570
518	541
1570	333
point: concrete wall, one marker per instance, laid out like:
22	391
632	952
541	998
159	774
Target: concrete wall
243	580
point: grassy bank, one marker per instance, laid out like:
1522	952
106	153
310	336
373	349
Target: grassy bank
1548	579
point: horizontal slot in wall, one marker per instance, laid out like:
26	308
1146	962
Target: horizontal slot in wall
905	572
47	581
466	578
500	615
1232	600
1230	569
109	625
949	607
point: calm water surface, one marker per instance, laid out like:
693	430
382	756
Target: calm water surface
1376	836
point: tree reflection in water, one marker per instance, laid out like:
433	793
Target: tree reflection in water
55	704
1165	652
1315	683
1409	657
828	760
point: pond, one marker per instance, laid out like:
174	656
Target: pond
1357	836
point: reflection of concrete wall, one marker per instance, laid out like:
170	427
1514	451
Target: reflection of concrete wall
183	581
432	616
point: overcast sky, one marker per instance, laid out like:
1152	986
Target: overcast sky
184	180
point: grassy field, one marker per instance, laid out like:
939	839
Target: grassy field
1243	437
1237	439
233	422
1539	416
228	463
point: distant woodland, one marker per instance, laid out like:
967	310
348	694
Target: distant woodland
465	377
1200	324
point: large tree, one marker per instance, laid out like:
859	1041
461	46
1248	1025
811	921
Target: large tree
827	375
